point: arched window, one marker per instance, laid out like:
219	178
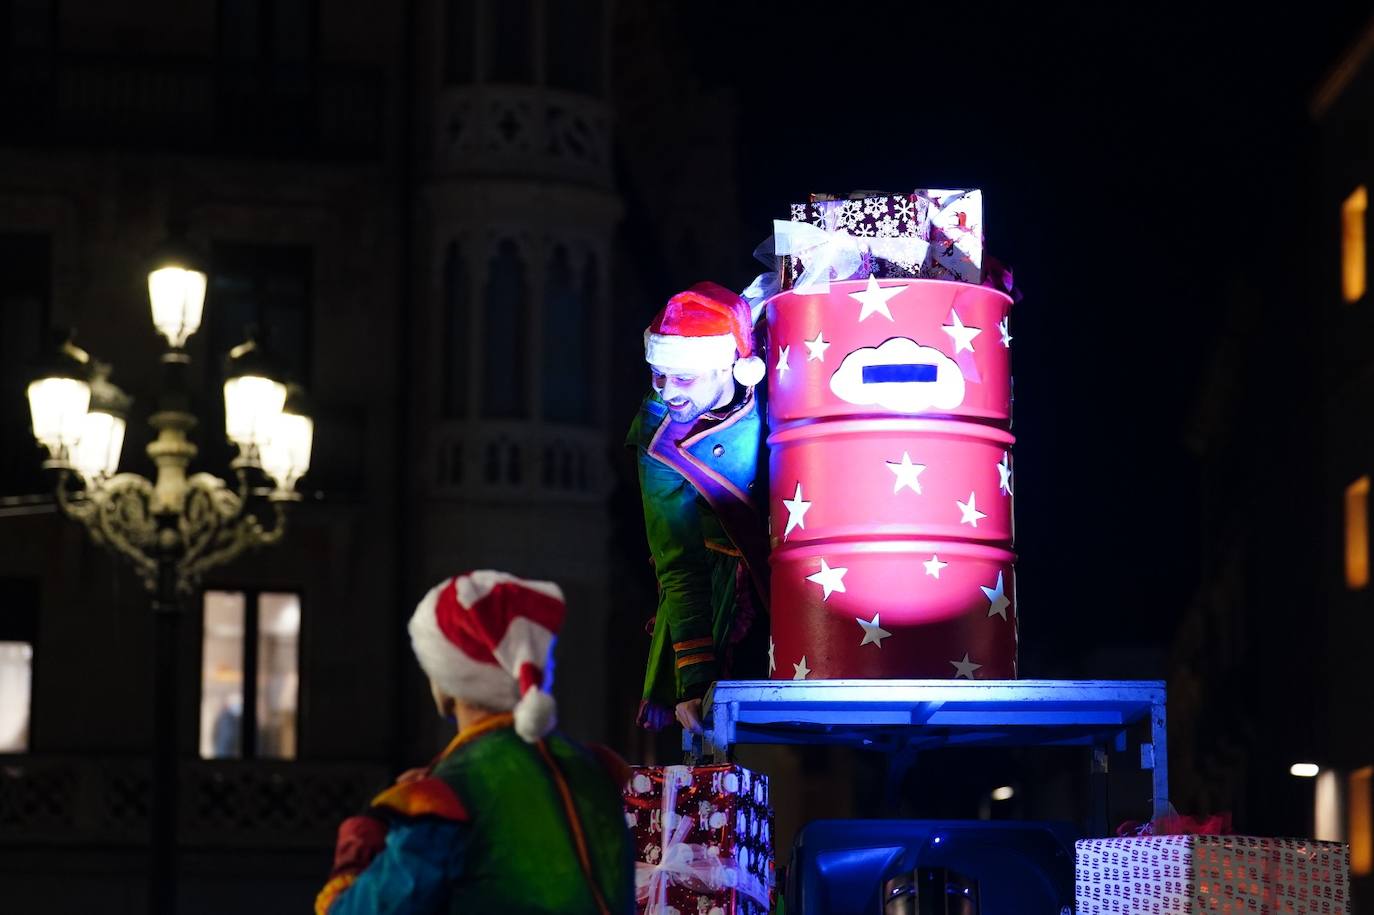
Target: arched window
503	365
510	41
460	26
566	379
456	324
573	31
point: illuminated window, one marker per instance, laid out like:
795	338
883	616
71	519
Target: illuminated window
16	674
19	601
1359	816
249	675
1353	245
1327	806
1357	534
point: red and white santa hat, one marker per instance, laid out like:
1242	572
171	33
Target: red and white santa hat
707	327
487	638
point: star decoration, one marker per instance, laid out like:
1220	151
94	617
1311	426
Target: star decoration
829	579
970	511
771	665
997	599
1004	474
934	565
815	349
799	671
873	632
874	299
797	508
964	669
906	473
782	366
961	335
1002	326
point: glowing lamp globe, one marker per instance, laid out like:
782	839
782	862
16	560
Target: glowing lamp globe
102	439
96	455
176	291
253	400
286	455
59	397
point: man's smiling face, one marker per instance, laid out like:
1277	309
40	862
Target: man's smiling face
690	393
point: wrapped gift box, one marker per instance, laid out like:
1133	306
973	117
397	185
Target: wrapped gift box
956	235
882	235
1181	875
928	233
703	838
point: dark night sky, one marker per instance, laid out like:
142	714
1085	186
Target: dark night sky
1135	160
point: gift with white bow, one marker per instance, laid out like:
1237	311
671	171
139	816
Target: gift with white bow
703	839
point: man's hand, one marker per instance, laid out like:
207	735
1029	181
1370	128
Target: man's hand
689	715
412	775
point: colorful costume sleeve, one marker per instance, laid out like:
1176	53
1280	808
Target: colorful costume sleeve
672	522
413	875
425	828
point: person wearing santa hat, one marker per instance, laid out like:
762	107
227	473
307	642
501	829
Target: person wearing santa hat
512	817
699	437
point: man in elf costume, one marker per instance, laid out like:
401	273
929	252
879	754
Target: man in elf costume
699	438
512	817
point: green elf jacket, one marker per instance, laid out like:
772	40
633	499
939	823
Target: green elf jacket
704	488
498	825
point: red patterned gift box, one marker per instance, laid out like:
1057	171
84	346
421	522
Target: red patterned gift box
703	838
1181	875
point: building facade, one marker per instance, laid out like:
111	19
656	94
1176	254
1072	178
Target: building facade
418	205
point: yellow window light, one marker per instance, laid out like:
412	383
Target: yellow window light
1353	245
1360	829
1357	534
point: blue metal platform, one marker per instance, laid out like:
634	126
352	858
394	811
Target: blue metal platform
913	715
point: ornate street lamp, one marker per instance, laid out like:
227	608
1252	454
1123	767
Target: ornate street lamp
174	528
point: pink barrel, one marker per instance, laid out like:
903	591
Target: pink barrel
891	482
821	331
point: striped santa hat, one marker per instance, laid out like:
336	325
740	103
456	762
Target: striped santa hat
487	638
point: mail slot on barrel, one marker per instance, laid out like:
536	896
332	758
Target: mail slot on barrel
891	481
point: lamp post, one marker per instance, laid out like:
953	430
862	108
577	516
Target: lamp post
176	527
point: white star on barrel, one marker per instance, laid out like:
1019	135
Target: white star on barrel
964	669
906	473
934	565
771	665
783	367
799	671
815	349
874	299
797	507
1006	333
969	511
1004	474
830	580
997	598
961	335
873	633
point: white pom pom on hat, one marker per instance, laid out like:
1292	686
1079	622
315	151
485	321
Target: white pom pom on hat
749	370
487	638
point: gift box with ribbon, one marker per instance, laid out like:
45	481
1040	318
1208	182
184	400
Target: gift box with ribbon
927	233
1179	874
703	838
